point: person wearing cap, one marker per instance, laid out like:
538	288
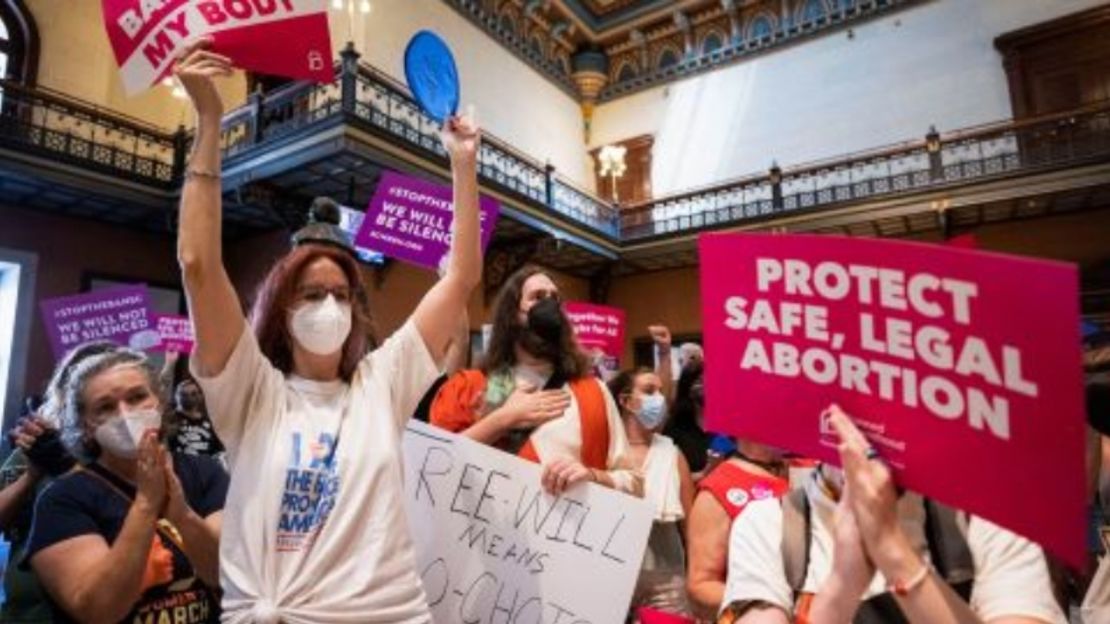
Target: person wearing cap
310	411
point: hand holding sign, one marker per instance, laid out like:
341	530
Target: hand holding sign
147	35
461	138
561	473
195	69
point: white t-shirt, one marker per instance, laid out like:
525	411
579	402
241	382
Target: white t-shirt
1011	576
562	437
314	527
662	485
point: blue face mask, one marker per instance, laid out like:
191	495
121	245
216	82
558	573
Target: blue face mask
653	410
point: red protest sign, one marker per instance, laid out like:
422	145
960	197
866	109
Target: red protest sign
962	367
281	37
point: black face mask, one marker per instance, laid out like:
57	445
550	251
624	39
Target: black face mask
545	320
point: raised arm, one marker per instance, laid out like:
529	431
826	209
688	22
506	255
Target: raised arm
213	304
437	314
661	336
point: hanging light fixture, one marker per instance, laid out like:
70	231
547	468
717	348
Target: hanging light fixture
364	6
611	160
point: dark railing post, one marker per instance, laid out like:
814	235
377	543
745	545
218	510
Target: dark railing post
254	101
932	147
775	177
549	185
180	151
348	79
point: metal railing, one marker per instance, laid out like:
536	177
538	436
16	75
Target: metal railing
366	96
974	154
47	124
42	123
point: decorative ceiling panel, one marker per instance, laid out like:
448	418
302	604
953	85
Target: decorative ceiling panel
642	43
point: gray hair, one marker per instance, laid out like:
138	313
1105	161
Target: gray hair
688	350
87	370
53	408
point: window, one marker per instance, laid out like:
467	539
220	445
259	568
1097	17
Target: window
813	12
5	48
761	28
668	58
17	276
18	42
712	44
626	73
18	45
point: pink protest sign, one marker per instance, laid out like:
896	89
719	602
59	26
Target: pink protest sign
597	327
176	333
281	37
962	367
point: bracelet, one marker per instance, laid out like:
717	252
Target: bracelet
193	172
900	588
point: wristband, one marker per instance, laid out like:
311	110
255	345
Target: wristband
900	588
193	172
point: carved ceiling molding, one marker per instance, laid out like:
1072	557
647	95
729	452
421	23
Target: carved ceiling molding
627	46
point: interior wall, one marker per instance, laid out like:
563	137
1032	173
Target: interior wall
886	82
70	249
512	100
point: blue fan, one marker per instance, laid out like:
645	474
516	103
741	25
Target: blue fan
432	75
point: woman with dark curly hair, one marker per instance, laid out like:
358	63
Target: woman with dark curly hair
536	394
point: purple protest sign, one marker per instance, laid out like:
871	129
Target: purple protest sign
410	219
121	314
176	333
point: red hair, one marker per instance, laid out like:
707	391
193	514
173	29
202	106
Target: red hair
278	293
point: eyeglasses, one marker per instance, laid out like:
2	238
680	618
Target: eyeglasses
314	293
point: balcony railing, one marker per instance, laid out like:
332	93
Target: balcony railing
976	154
53	126
367	97
42	123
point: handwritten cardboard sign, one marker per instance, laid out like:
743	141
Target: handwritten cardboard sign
280	37
121	314
962	367
491	546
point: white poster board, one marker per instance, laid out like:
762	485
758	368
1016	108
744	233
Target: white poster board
491	546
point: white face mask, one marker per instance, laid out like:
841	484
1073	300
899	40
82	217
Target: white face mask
653	410
120	435
321	327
